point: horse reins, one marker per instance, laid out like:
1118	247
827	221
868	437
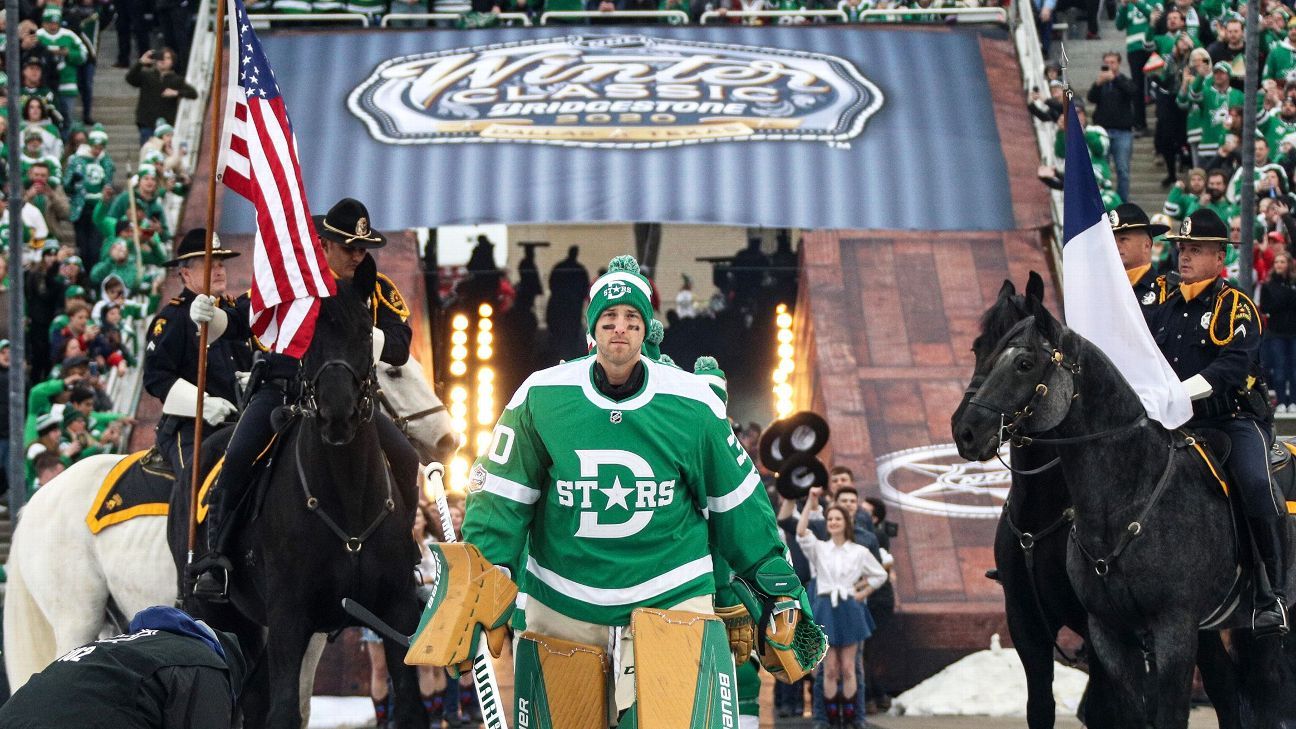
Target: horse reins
1027	541
307	407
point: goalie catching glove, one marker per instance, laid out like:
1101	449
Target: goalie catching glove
789	642
470	597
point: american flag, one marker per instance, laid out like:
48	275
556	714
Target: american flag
258	160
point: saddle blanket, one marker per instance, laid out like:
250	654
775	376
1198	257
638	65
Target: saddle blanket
129	490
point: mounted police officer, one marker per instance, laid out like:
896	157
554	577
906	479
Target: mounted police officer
1134	234
346	238
171	357
1210	333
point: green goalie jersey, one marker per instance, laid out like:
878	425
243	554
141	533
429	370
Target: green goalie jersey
614	496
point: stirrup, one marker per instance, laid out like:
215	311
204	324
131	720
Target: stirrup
212	584
1270	620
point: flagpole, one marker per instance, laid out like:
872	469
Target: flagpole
214	119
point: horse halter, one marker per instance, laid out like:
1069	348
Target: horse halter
308	405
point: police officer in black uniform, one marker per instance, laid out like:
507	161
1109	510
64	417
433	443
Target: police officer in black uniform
346	238
1134	234
1210	333
171	357
168	672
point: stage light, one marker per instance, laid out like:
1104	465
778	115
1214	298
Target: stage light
783	408
485	325
459	323
459	338
458	410
485	374
780	309
484	389
484	337
458	474
780	377
485	311
484	352
458	368
484	417
785	351
483	441
784	321
785	336
783	391
458	393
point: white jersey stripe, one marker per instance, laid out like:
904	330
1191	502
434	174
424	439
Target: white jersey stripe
606	597
734	499
511	490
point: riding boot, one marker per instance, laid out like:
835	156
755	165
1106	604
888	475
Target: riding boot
832	710
1271	537
214	568
380	712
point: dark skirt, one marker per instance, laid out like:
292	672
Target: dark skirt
847	624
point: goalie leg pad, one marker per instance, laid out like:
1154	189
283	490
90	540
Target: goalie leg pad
470	596
684	672
560	684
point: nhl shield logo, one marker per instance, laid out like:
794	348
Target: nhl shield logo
615	416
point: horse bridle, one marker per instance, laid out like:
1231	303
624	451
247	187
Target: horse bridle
1012	427
402	421
308	405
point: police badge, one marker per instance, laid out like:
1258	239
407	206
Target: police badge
1206	320
1185	228
1149	298
1115	219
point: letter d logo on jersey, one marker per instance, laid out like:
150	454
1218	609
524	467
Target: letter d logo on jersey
594	496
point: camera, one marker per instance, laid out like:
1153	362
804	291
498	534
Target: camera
1105	69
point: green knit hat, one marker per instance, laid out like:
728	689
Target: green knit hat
708	369
52	14
653	340
161	128
622	284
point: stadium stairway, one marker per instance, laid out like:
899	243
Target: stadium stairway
114	107
1146	169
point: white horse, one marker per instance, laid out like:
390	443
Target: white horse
60	576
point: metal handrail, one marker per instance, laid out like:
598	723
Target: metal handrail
526	19
271	18
544	17
1030	56
1000	14
820	13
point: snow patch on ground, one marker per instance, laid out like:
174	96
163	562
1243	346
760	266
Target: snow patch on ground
989	683
341	712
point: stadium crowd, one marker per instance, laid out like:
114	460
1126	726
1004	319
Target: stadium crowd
1185	60
94	231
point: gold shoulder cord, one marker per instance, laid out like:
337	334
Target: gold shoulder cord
395	303
1161	284
1241	308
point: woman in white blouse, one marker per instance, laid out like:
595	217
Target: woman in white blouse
839	564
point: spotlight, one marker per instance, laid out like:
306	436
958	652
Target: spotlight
458	393
784	320
484	325
459	338
485	374
784	351
484	352
458	368
460	352
484	337
459	323
485	311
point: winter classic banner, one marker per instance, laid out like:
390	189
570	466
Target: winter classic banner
811	127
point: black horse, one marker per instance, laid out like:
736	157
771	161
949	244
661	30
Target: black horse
1031	553
1153	551
329	523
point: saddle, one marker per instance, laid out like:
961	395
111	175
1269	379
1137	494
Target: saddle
139	485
